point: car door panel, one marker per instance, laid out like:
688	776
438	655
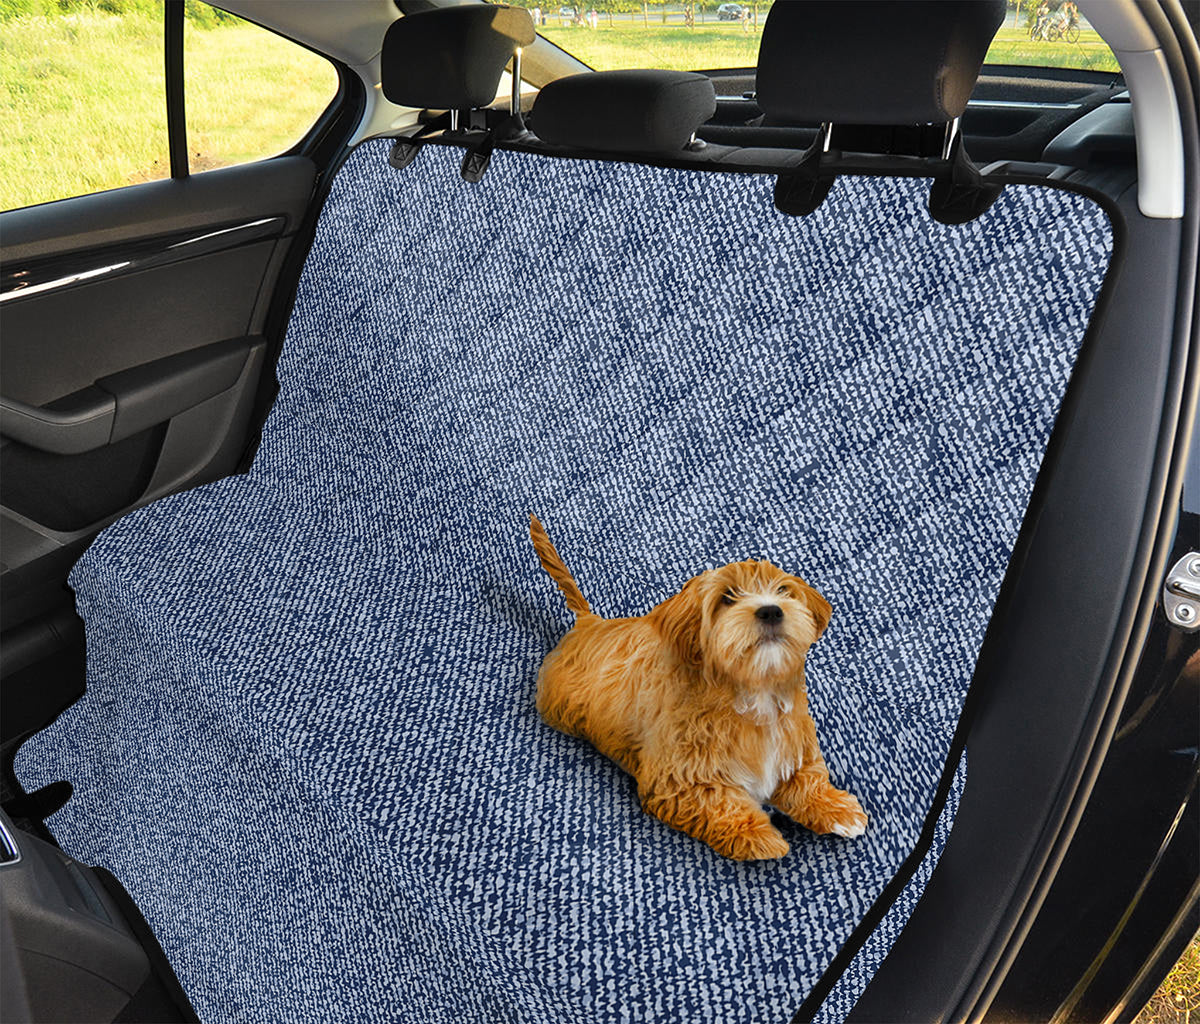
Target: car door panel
131	353
157	209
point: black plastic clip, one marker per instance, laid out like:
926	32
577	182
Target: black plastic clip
405	149
799	195
41	803
799	191
403	153
475	161
960	195
513	129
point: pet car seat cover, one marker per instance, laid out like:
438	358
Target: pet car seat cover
873	61
453	57
624	111
308	746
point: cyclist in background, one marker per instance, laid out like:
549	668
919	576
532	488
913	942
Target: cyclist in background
1069	13
1039	26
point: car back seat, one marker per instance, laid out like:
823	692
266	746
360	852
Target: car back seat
308	747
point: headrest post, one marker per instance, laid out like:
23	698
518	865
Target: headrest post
952	129
826	135
453	119
959	193
514	106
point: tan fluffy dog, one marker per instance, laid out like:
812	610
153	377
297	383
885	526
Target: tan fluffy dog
703	702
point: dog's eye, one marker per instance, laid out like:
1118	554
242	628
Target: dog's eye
728	597
781	589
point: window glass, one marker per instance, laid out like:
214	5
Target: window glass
1050	33
83	97
248	93
704	36
683	37
83	105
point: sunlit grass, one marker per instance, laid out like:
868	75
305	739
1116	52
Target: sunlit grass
83	105
84	108
1013	46
632	44
1177	1000
250	93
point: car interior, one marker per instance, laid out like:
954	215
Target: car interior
918	328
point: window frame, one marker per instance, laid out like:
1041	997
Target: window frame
173	19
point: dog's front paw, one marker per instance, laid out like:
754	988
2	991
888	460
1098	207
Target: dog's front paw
838	813
759	841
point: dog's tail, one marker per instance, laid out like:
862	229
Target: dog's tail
553	564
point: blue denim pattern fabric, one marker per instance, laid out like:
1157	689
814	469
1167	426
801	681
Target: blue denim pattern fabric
308	746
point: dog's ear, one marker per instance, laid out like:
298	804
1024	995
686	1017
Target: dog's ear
679	620
820	609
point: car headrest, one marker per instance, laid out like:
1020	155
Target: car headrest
626	111
887	62
451	58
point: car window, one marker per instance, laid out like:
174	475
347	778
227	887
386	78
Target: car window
708	36
84	94
1050	33
83	99
248	92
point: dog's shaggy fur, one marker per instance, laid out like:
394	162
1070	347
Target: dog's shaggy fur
703	702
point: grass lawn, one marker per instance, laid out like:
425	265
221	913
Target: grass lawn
630	44
1013	46
83	107
1177	1000
278	91
69	128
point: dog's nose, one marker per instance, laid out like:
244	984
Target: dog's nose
769	613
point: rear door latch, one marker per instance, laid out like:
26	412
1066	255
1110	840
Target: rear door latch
1181	593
